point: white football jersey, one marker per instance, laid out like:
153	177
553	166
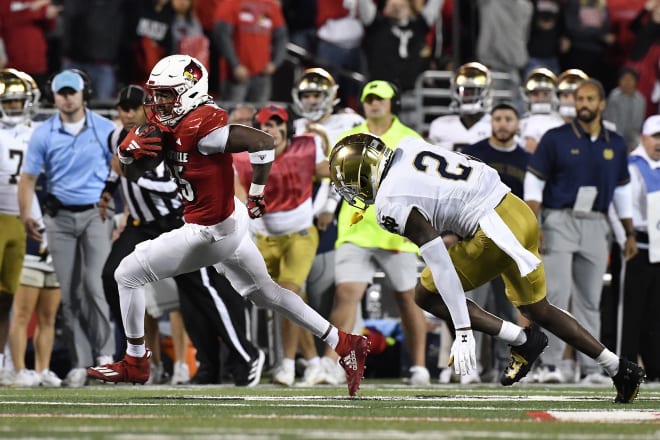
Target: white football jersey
451	190
13	145
534	126
335	125
449	132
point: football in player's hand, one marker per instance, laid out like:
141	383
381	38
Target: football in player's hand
149	137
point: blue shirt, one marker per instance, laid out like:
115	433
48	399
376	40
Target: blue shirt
510	165
567	159
75	166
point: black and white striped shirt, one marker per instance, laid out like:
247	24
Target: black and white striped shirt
154	195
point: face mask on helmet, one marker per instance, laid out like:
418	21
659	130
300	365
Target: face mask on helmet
15	98
357	164
540	91
177	85
567	83
315	95
471	88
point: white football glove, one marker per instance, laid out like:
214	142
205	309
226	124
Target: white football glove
463	353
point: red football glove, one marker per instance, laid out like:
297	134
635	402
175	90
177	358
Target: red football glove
142	145
256	206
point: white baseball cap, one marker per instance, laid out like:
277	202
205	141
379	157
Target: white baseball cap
651	125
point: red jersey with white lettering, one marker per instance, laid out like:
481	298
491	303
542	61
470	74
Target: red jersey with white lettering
206	182
290	180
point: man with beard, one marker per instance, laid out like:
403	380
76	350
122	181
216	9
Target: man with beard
577	170
501	152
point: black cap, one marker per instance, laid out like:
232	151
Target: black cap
131	97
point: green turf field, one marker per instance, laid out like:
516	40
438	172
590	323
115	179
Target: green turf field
383	410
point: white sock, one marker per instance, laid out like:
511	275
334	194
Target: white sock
333	338
609	361
314	362
135	350
289	363
512	334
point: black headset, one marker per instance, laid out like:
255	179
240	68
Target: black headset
395	106
87	85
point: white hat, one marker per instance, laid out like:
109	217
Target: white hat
651	125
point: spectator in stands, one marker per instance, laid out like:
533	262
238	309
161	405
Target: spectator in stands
71	146
586	36
362	247
187	33
626	107
92	35
252	38
641	302
395	39
23	29
148	38
645	54
503	33
546	29
577	170
339	44
285	235
15	131
300	17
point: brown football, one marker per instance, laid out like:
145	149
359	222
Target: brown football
140	166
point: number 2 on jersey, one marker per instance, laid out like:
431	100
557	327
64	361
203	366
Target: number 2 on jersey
460	171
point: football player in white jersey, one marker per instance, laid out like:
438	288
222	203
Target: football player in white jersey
16	100
540	92
471	88
420	190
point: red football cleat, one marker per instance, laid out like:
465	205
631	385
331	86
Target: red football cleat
352	351
130	369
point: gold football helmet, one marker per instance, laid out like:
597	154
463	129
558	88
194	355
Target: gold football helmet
319	80
14	88
569	80
357	163
471	88
540	90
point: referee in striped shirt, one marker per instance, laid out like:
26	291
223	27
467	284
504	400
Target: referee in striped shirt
210	307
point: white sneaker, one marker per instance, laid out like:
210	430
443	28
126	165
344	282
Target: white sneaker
76	378
550	374
314	375
445	375
334	373
284	374
473	377
7	377
180	373
419	376
49	379
26	378
156	373
596	379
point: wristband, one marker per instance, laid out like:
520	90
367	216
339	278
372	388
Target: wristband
256	189
262	157
632	234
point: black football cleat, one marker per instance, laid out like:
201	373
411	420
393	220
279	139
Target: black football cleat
523	356
627	381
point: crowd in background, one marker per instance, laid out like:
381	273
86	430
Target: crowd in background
245	45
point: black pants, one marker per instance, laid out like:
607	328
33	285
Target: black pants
210	307
641	308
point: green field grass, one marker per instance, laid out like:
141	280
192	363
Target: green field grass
383	410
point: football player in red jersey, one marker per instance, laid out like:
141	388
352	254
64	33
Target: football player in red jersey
198	144
286	235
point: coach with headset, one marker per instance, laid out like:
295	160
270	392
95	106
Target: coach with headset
71	146
363	247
